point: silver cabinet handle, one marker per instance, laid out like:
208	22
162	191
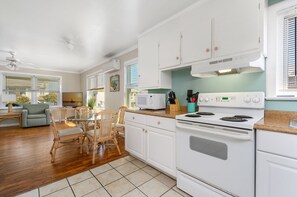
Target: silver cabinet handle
207	50
216	48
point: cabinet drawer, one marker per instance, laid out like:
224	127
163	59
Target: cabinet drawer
278	143
136	118
162	123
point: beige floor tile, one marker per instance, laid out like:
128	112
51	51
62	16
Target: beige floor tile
172	193
118	162
66	192
101	169
169	182
53	187
119	187
98	193
108	177
181	192
129	158
127	168
79	177
32	193
139	177
139	163
151	171
153	188
135	193
85	187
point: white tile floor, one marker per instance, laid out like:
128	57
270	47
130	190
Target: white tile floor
126	177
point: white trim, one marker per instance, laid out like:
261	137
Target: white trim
109	59
9	124
281	98
274	43
173	17
131	61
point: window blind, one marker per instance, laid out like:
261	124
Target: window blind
132	75
290	51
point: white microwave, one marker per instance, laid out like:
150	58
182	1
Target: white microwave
150	101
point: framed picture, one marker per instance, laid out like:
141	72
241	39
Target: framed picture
115	83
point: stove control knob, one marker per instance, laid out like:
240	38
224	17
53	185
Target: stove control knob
206	99
256	100
201	99
247	99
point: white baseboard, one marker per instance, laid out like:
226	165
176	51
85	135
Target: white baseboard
9	125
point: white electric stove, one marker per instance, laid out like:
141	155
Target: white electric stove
216	146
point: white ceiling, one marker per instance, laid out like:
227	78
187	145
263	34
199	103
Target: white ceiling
72	35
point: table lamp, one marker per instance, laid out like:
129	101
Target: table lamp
9	99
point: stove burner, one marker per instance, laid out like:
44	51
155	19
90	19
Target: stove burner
205	113
193	115
243	116
233	119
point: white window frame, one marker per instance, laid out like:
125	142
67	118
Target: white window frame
126	64
275	63
34	84
95	75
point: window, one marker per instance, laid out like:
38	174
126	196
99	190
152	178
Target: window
290	46
281	69
32	89
48	90
131	82
95	91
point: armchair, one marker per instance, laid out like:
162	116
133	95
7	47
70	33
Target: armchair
35	115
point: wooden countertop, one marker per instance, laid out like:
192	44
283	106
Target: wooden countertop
277	121
161	113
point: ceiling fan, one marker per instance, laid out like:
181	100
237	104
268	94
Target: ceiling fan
12	63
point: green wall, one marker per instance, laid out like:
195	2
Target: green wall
271	2
182	81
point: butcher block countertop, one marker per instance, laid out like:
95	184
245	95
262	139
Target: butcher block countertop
277	121
161	113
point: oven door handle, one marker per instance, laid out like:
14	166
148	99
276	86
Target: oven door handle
225	132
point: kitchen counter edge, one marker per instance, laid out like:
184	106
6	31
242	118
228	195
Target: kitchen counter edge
277	121
159	113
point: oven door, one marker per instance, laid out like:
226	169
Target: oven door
221	157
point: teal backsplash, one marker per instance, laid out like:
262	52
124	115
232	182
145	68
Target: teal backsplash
271	2
182	81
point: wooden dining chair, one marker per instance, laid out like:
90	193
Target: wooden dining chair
64	136
64	113
104	131
120	124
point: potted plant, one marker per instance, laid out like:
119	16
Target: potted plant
91	102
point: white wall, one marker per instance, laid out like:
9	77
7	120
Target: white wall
113	100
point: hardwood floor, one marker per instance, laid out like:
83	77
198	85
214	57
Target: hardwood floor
25	161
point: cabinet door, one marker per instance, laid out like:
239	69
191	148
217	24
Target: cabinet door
135	140
196	36
161	149
236	27
148	68
169	45
276	176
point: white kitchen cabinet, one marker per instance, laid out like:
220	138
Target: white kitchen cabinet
209	30
236	27
161	149
169	45
149	75
196	36
152	139
135	140
276	164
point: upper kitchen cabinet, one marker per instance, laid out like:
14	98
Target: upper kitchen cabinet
195	27
169	44
235	27
148	63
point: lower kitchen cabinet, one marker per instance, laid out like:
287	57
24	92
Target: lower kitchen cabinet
135	140
152	141
161	149
276	164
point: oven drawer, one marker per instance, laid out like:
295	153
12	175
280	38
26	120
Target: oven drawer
197	188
